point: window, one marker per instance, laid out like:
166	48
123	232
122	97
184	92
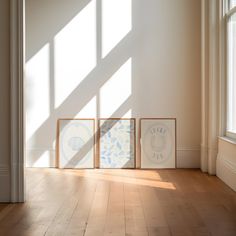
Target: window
231	69
232	3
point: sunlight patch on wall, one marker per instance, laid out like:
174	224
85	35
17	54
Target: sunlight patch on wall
37	87
128	114
43	160
75	52
89	110
116	23
116	90
54	144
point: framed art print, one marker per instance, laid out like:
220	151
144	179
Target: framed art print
76	143
158	143
117	143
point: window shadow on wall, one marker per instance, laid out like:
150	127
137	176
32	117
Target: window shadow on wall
73	70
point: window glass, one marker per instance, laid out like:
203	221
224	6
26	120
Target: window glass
231	124
232	3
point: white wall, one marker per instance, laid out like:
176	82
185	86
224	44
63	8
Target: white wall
145	62
4	101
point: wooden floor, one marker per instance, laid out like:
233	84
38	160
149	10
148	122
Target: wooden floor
121	202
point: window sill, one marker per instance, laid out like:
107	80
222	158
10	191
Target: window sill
229	140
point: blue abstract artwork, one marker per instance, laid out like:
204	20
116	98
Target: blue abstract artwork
117	143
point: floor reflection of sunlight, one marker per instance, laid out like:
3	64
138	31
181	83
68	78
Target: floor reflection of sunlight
75	52
121	177
116	23
116	90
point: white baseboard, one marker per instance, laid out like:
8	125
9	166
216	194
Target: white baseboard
188	158
4	183
226	171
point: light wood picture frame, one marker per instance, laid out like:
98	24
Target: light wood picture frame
76	143
117	143
158	143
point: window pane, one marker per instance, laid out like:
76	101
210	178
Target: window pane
232	74
232	3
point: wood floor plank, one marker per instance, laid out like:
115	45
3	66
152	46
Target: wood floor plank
115	220
97	216
135	223
121	203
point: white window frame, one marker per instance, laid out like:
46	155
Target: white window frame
228	14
